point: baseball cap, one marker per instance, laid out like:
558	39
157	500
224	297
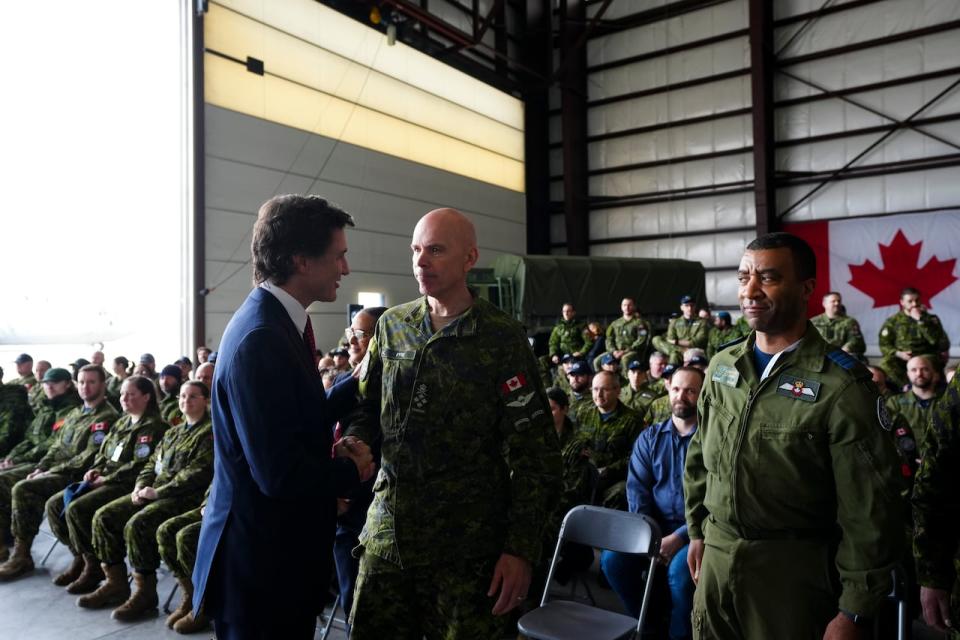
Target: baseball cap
147	358
634	365
579	368
607	359
57	375
173	371
686	299
23	357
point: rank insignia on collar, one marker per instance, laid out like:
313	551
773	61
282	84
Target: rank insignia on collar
798	388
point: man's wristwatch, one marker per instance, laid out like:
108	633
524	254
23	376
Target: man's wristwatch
855	618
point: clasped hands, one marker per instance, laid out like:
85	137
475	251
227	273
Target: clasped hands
358	451
143	495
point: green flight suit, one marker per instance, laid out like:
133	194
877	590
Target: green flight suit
179	469
470	464
693	330
900	332
606	441
568	336
936	503
123	453
842	332
632	336
15	415
914	410
721	337
76	438
789	482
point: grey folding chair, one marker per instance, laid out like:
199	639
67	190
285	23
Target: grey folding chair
602	528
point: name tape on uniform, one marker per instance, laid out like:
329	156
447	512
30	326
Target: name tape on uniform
726	376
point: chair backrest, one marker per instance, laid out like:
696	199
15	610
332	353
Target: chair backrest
610	529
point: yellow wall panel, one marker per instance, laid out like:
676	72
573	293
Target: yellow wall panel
231	86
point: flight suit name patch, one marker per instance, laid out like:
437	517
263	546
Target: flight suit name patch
726	376
798	388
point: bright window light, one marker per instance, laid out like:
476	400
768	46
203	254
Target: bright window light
370	299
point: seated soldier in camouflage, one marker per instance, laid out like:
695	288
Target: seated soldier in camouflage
659	410
121	456
839	329
568	336
170	482
911	331
75	441
35	395
915	403
604	437
578	381
722	333
61	398
686	331
628	336
171	377
177	540
15	415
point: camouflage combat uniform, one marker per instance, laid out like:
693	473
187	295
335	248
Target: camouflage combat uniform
28	381
606	441
693	330
75	440
842	332
567	336
177	540
113	391
470	470
643	396
36	396
658	410
900	332
32	448
579	402
122	454
914	410
179	469
15	415
719	338
776	470
170	409
936	503
632	336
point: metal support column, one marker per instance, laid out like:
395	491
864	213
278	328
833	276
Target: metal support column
573	115
536	55
761	83
198	160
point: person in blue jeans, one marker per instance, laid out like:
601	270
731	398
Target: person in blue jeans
655	489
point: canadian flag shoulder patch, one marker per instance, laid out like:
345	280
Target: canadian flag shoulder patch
515	383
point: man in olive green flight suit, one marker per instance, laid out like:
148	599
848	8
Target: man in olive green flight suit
838	329
628	337
684	332
471	464
936	516
915	403
788	482
909	332
75	440
568	336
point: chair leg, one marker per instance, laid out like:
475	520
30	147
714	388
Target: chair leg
49	551
173	592
333	614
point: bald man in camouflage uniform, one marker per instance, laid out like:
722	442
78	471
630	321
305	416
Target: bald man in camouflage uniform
915	403
470	458
74	442
568	336
911	331
178	470
839	329
936	516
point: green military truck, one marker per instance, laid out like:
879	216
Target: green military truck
532	289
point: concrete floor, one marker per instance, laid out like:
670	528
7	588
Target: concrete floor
31	608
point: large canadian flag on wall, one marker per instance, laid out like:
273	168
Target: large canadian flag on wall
869	260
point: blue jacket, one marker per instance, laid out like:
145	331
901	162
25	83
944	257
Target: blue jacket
267	536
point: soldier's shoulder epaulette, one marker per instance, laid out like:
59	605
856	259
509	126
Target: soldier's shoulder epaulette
730	343
847	362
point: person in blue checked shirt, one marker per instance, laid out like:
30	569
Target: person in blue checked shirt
655	489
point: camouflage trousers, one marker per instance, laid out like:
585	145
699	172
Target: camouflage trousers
447	602
672	351
28	501
8	478
177	540
122	528
73	528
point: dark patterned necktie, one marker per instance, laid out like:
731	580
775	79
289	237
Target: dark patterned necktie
310	341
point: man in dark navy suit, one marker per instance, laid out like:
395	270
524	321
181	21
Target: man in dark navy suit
263	562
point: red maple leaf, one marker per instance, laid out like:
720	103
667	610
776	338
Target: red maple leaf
900	260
